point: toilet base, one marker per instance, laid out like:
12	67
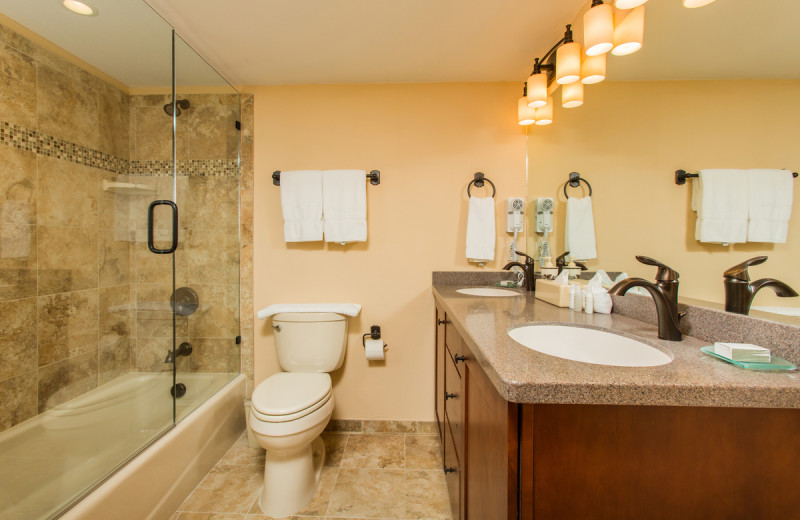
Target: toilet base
291	479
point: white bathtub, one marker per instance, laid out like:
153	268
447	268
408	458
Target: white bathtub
56	456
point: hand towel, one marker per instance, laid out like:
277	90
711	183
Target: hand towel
480	230
770	205
301	205
721	200
579	235
347	309
344	205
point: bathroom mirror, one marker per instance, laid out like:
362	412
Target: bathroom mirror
712	87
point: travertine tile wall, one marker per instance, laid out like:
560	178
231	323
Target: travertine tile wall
74	264
65	244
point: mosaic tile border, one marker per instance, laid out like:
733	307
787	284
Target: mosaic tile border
30	140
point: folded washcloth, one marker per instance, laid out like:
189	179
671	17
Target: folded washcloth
579	236
347	309
344	205
721	201
770	205
480	230
301	205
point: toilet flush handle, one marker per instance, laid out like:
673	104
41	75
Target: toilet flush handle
277	328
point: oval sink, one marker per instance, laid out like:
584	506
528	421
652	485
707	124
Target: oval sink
588	346
487	291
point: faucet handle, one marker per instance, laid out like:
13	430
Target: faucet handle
739	271
561	260
529	259
665	273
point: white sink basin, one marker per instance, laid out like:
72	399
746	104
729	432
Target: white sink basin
487	291
588	345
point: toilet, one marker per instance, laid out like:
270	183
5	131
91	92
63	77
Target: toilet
290	409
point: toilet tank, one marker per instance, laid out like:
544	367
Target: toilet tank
310	341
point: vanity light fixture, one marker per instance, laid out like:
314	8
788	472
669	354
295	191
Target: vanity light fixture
628	31
598	28
593	69
525	114
630	4
537	86
544	115
79	7
568	60
572	95
696	3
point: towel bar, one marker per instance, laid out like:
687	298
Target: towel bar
681	176
575	181
374	177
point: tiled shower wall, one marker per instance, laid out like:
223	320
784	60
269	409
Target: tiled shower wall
74	265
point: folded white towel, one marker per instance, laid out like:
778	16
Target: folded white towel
344	205
480	230
579	235
721	200
770	205
347	309
301	205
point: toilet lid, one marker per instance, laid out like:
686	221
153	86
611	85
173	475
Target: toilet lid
287	393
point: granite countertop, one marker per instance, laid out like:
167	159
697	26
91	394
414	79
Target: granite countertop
522	375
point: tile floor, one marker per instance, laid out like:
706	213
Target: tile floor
366	476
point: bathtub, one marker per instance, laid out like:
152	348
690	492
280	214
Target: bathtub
54	457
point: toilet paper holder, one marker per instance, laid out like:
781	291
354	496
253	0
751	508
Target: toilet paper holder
374	333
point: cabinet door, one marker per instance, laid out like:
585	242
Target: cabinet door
439	364
454	403
490	456
452	472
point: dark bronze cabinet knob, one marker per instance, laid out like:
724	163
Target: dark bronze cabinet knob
460	358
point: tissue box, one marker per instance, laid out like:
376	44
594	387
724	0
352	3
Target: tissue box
552	292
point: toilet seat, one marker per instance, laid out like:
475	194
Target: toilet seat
288	396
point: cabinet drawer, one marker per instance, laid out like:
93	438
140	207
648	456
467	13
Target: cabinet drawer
455	346
454	403
452	472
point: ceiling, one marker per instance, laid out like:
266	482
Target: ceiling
267	42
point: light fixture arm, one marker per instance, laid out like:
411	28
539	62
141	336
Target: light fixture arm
540	64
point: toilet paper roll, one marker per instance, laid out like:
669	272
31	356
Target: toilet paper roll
374	349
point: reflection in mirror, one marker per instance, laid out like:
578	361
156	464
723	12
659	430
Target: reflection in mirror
714	87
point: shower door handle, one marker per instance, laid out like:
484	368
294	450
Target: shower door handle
150	240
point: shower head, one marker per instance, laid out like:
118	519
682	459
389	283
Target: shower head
182	104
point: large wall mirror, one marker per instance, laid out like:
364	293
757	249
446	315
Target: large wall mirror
713	87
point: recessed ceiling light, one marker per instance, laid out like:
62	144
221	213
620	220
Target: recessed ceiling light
82	8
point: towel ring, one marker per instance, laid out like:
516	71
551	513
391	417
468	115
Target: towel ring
478	181
575	181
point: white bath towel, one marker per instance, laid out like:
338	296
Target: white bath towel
344	205
347	309
480	230
301	205
770	205
579	237
721	201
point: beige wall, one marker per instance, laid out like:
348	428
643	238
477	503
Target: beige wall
628	139
427	140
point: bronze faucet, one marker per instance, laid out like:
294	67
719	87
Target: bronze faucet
561	262
740	291
527	271
664	293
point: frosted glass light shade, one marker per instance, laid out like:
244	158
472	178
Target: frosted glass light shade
568	63
537	90
696	3
525	114
572	95
82	8
598	29
630	4
544	115
628	31
593	69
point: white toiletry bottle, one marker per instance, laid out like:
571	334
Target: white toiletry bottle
578	298
572	296
588	301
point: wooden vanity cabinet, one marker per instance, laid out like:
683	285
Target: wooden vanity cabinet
478	430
